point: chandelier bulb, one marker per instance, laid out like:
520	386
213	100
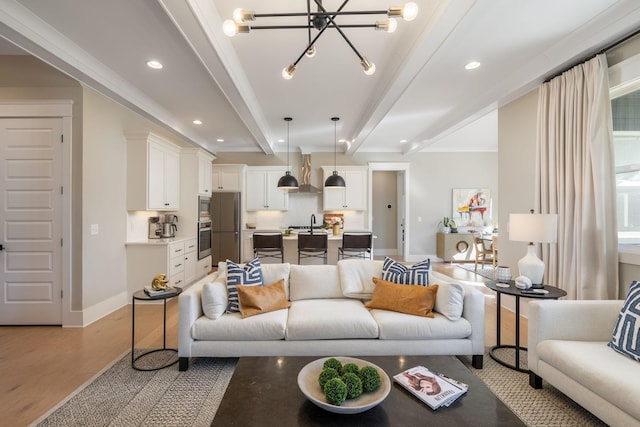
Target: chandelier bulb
287	72
229	28
311	52
240	15
369	67
410	11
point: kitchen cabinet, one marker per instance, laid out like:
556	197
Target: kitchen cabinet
190	261
177	259
228	177
153	173
353	196
205	173
203	267
262	189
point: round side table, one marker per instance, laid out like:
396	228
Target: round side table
500	288
142	296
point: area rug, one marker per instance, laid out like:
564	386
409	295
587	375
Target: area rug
122	396
483	271
535	407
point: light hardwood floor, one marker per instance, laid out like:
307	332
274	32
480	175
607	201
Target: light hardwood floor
41	365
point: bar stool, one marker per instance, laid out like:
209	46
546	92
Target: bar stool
355	245
268	245
312	246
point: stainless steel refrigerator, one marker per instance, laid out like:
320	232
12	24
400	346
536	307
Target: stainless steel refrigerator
225	227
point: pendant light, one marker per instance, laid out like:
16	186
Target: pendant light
288	181
335	180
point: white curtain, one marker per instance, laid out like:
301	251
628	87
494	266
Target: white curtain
575	178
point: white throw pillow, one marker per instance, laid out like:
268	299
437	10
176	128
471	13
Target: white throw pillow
314	282
214	299
356	277
450	301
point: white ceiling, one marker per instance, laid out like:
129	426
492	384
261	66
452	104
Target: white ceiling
420	98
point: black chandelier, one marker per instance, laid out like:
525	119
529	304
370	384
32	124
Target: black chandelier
320	20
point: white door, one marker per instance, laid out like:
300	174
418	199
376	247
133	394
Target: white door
30	221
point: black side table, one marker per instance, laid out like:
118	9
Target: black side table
142	296
554	293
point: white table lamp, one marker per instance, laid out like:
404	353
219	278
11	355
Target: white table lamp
533	228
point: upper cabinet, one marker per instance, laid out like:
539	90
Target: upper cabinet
205	169
227	177
353	196
262	189
153	173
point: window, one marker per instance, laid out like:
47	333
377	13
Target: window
626	139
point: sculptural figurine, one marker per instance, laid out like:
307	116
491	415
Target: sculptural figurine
159	282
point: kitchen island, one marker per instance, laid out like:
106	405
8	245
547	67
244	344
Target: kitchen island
291	246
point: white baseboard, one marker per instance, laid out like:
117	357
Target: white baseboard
98	311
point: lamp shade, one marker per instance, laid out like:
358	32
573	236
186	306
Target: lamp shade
334	180
287	182
535	228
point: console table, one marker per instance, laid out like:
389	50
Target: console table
455	247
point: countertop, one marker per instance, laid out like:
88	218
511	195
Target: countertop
160	242
294	235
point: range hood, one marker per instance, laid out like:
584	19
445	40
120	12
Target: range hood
305	185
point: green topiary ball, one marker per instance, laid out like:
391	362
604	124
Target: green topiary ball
350	367
354	385
326	375
335	391
370	378
334	363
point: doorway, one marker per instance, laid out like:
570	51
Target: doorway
389	208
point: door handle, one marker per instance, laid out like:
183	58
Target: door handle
1	248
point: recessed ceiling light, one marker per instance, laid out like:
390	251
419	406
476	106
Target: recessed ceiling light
219	140
472	65
403	141
197	122
281	140
156	65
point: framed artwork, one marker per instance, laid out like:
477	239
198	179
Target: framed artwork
471	207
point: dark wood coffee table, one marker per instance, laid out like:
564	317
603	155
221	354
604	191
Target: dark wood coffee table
264	392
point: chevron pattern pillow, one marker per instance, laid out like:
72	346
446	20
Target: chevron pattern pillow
417	274
626	333
249	275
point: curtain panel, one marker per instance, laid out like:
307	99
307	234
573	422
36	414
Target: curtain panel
575	178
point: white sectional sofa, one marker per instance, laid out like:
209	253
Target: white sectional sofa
328	317
568	349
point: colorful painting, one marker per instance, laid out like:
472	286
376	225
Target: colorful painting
471	207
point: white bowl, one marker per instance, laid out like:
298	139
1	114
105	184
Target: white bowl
308	383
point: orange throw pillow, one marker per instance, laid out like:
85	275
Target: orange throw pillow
262	299
410	299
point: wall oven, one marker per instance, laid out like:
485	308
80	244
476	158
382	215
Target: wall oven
204	227
204	239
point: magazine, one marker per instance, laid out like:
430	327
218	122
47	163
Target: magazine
436	390
159	292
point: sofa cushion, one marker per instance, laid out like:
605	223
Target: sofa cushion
314	281
598	368
400	326
417	274
250	275
262	299
323	319
450	300
232	327
214	299
416	300
355	277
626	333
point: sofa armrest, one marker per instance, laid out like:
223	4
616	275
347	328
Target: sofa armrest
189	310
571	320
473	311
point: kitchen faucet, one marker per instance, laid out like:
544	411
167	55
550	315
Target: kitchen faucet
313	221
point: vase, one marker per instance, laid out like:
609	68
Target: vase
336	230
